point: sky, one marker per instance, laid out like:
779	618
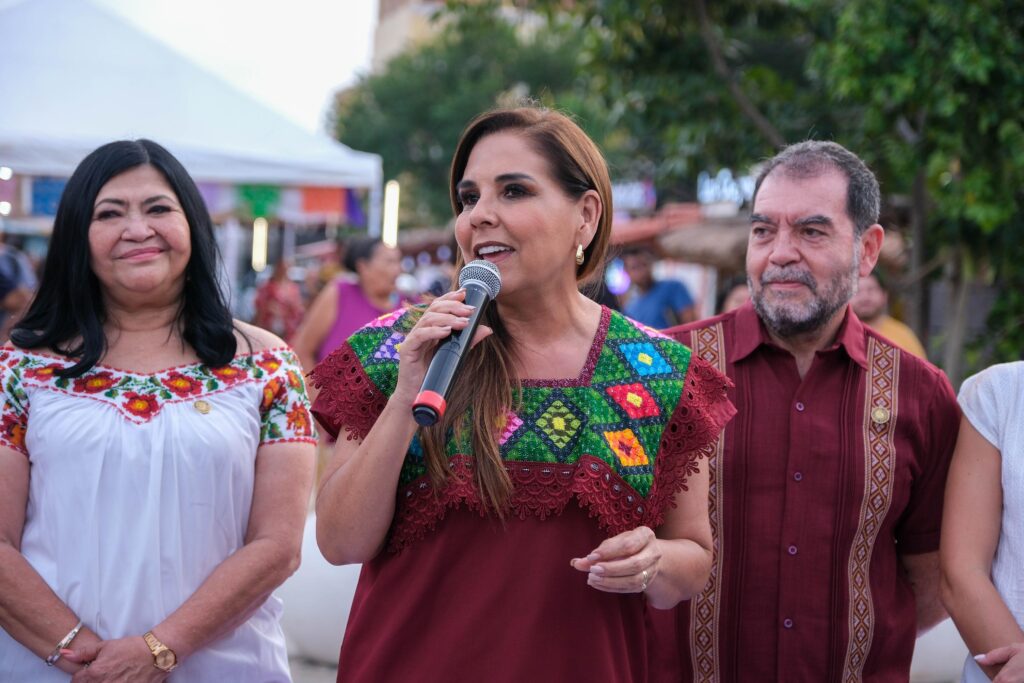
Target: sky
289	55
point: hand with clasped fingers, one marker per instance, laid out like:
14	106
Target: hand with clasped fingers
667	567
625	563
1010	658
125	660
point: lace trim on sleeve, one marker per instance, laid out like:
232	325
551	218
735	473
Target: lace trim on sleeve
691	434
347	398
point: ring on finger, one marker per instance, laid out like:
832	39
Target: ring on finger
645	578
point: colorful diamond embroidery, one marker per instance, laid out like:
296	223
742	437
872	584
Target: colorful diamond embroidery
389	349
650	331
627	447
388	319
508	426
645	359
559	424
636	381
635	400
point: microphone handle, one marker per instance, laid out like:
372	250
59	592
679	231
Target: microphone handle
431	402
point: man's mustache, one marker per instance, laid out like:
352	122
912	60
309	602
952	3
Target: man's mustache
789	275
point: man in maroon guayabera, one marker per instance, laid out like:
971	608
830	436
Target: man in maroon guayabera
826	488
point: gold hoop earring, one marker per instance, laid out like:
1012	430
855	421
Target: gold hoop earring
579	255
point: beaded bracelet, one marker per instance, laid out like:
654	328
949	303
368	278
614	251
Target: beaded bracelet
65	641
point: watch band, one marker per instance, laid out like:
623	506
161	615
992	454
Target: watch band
158	649
152	642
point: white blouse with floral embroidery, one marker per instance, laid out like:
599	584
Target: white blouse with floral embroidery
140	486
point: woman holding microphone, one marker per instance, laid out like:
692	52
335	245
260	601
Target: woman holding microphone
523	536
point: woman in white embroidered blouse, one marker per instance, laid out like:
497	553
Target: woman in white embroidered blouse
156	456
982	549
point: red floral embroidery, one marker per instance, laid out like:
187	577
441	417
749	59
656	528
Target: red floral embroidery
182	385
229	373
298	419
95	383
142	405
13	431
279	390
43	373
269	363
271	391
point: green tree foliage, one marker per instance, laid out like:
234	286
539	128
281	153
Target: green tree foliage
941	88
694	86
941	84
928	91
413	112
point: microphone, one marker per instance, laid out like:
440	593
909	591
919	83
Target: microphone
481	281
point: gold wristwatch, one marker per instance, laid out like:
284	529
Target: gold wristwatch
163	656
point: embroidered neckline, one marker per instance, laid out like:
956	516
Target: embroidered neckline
241	355
587	372
140	397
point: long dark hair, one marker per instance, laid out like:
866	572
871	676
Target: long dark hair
360	249
68	312
488	386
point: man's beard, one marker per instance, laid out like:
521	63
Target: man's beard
788	319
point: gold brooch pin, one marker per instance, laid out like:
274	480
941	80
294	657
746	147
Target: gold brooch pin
880	415
202	406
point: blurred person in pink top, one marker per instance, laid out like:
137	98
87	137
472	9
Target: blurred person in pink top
348	303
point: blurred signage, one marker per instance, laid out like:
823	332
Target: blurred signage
724	187
637	196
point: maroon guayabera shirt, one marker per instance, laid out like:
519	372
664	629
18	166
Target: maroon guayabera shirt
818	487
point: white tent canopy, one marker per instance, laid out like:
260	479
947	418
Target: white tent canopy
74	76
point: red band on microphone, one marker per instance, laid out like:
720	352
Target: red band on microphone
431	399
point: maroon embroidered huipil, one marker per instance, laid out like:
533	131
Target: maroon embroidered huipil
460	595
817	487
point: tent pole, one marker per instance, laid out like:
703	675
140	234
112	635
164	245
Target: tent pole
373	223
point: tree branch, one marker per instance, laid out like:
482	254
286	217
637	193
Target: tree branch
748	108
923	271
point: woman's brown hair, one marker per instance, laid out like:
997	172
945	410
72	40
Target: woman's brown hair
487	387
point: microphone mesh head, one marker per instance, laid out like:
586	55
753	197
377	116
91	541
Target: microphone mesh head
484	272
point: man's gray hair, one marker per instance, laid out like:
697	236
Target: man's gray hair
812	158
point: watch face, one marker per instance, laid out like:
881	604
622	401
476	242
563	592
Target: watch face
165	660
